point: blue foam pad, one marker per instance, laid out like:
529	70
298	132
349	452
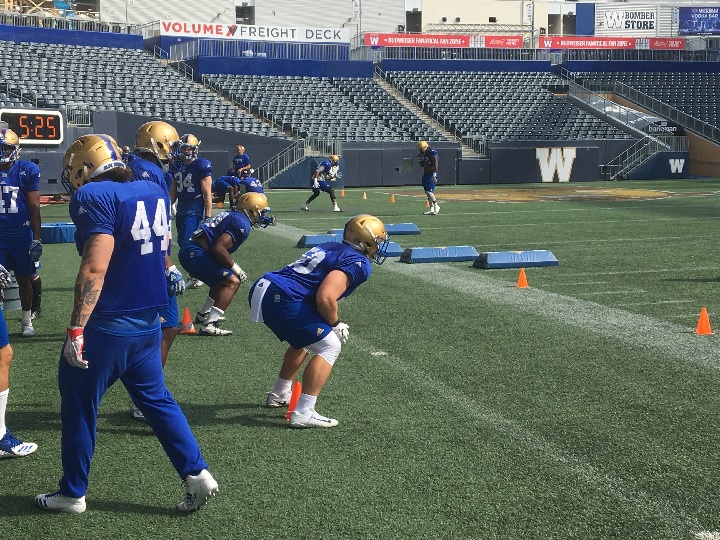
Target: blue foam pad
402	228
57	233
394	249
516	259
312	240
391	228
439	254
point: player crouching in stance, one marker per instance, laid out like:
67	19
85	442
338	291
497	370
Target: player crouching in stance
122	235
208	257
326	172
299	303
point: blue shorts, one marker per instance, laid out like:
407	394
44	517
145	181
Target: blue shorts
324	186
298	323
200	264
428	183
14	251
4	339
169	315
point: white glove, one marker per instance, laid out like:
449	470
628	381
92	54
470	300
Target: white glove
173	210
434	177
316	184
239	272
342	331
175	281
73	348
5	277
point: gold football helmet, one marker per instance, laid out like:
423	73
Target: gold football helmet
422	146
367	234
9	145
157	138
186	148
255	207
88	157
334	159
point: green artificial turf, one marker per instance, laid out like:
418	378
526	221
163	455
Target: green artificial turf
583	407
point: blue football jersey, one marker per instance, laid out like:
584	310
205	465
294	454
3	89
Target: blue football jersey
187	181
146	170
252	184
324	167
135	214
301	279
237	225
239	162
23	176
426	158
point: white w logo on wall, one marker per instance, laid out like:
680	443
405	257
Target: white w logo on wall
555	160
374	40
677	165
614	19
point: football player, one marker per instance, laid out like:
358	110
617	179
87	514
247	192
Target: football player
192	189
299	303
208	256
429	162
235	187
326	172
150	161
241	162
10	445
20	244
122	234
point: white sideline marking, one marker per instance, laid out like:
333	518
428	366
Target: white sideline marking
636	330
708	535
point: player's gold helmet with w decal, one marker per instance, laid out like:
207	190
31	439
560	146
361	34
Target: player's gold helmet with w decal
367	234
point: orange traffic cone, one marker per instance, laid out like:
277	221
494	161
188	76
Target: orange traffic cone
703	325
294	397
364	196
342	192
522	280
186	326
219	205
392	198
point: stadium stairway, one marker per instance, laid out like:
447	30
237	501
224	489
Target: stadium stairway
417	111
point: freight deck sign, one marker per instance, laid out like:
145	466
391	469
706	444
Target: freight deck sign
248	32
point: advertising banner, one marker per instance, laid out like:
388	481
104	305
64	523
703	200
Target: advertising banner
699	21
628	19
247	32
417	40
586	43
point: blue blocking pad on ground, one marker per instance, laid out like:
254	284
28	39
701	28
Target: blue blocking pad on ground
515	259
439	254
57	233
312	240
391	228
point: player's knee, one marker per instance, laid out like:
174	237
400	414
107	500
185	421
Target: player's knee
328	347
6	355
232	282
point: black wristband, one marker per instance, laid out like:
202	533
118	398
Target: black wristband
335	323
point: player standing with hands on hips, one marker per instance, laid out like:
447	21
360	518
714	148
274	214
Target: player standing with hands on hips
122	235
299	303
429	161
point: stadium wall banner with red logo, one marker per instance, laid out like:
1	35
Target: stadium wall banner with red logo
248	32
611	43
443	40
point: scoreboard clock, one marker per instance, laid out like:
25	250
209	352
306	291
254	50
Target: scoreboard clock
38	127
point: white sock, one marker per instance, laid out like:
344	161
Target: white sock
215	314
3	405
282	387
207	306
306	403
26	317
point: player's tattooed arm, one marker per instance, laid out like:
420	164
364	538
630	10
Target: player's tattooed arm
91	276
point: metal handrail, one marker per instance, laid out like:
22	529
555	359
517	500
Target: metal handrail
181	67
281	162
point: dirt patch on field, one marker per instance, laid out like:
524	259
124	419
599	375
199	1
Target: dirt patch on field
561	193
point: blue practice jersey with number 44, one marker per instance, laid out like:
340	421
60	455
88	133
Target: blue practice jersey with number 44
135	214
301	279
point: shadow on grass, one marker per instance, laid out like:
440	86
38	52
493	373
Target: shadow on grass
242	414
24	505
